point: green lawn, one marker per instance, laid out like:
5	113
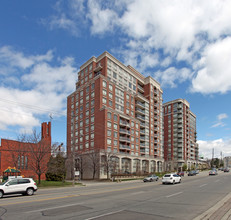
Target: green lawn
45	183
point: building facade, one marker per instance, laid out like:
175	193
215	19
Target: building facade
180	136
25	155
118	110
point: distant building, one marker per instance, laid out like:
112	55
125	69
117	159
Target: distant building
116	109
227	162
180	136
21	155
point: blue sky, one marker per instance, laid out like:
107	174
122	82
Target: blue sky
184	45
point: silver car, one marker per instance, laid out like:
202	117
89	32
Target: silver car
151	178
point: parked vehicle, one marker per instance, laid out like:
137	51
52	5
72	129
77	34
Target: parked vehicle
192	173
151	178
25	186
171	178
226	170
181	173
213	172
197	171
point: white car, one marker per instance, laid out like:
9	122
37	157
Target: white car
171	178
25	186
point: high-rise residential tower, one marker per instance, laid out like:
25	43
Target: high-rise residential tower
116	109
180	136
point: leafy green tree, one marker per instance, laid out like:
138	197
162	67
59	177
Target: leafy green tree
184	167
56	170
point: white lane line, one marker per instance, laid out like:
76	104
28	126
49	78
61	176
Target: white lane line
135	193
109	213
202	185
173	194
216	181
56	207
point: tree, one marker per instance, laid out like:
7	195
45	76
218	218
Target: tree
106	161
94	163
40	152
184	167
56	170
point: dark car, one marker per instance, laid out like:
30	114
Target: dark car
226	170
151	178
181	173
192	173
213	172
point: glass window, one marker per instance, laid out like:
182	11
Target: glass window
92	85
109	115
110	95
109	124
104	92
110	87
115	117
104	100
108	132
104	84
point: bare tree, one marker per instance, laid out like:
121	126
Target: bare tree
94	162
106	161
40	152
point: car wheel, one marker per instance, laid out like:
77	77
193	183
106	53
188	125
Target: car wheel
180	181
173	182
163	183
29	191
1	194
157	179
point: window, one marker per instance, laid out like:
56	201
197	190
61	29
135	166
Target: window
92	102
109	115
92	135
110	103
114	75
110	87
104	92
110	95
108	141
87	97
104	100
109	124
87	105
92	119
92	85
115	126
93	94
87	112
104	84
108	132
81	93
87	120
115	117
115	134
115	142
92	127
92	110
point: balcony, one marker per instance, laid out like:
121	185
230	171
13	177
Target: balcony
140	104
140	117
98	68
124	139
142	124
139	110
124	131
142	132
124	123
124	147
140	88
142	138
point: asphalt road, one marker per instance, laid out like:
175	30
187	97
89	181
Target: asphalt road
125	200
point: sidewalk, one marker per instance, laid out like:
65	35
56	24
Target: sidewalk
221	211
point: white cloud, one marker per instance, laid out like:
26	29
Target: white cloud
220	122
214	75
172	76
35	89
219	145
191	34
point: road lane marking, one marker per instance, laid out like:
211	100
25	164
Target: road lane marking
79	194
173	194
109	213
39	200
135	193
216	181
202	185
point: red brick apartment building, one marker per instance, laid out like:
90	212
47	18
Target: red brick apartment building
23	155
180	135
116	109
